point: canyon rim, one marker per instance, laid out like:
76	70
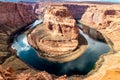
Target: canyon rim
103	17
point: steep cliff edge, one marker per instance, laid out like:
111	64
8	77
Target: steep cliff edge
105	18
13	16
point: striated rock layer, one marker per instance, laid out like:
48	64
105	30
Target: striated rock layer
13	16
58	36
102	16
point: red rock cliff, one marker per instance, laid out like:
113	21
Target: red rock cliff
13	16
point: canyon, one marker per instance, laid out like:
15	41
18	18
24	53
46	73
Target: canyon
13	16
103	17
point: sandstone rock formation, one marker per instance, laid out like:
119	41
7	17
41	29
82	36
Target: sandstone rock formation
8	74
105	18
58	36
102	17
61	22
13	16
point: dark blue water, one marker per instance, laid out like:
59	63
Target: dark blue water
81	65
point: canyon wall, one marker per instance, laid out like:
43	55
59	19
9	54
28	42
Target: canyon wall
13	16
105	18
102	17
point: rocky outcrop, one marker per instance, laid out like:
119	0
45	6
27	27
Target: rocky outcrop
58	36
8	74
61	22
102	16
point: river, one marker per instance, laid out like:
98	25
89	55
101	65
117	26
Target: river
82	65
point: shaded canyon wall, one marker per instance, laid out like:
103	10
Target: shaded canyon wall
13	16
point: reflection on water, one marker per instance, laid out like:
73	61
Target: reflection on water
81	65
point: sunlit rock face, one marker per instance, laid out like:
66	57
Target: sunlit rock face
58	35
105	18
60	22
102	17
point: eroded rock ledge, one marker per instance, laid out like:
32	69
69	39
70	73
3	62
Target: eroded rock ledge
58	36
